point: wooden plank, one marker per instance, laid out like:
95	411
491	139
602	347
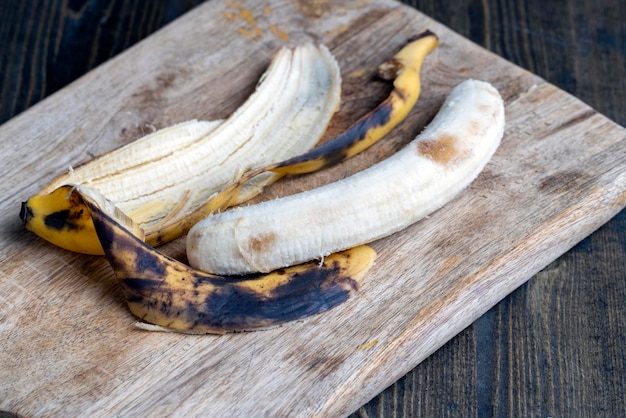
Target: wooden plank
67	334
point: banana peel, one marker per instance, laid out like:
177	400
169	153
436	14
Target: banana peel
171	296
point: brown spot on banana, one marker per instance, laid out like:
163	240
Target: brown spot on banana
261	242
441	150
169	294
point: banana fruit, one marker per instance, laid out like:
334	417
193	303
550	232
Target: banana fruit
171	296
166	175
381	200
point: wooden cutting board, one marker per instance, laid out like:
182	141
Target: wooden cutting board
68	344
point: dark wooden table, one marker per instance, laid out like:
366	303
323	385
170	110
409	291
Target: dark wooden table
556	346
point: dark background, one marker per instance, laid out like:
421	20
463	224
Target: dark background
555	347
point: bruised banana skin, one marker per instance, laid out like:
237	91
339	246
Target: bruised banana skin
161	178
174	297
379	201
404	68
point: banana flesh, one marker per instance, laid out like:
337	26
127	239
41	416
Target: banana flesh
172	296
381	200
404	68
160	179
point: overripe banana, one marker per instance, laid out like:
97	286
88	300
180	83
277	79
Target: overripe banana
404	68
374	203
172	295
166	175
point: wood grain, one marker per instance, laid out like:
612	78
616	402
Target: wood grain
102	293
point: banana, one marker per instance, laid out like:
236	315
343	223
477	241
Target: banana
162	177
404	68
381	200
172	296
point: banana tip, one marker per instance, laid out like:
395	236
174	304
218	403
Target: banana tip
25	213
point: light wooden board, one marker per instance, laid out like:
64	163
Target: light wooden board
68	345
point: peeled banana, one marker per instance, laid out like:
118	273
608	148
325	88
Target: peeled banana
385	198
161	178
172	296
